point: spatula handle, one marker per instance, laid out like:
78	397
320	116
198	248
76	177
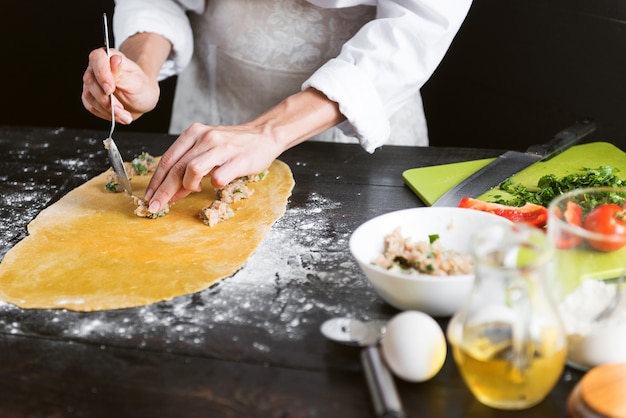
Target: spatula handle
381	385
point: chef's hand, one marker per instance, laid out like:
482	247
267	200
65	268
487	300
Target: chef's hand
135	93
227	152
131	76
222	152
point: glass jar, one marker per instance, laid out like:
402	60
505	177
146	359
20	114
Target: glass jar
587	229
508	341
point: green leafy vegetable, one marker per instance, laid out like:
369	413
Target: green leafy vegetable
550	186
141	164
113	187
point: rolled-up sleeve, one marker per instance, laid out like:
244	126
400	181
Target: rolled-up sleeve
164	17
387	61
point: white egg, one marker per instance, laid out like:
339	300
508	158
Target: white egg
414	346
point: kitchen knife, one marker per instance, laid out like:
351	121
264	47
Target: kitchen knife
114	154
512	162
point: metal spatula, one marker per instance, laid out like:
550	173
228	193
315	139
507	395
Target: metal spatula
114	154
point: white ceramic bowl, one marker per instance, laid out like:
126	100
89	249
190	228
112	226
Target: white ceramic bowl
435	295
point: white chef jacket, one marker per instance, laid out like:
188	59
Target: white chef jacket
237	58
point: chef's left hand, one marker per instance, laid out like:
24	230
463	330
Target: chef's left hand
223	153
227	152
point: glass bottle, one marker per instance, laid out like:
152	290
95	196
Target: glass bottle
508	341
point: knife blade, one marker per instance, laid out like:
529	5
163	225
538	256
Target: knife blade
512	162
114	153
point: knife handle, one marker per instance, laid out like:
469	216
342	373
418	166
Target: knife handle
563	139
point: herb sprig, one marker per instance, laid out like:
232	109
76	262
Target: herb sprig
550	186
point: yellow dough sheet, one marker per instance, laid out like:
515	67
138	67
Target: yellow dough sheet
89	251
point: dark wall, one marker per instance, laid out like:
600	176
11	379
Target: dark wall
519	70
44	52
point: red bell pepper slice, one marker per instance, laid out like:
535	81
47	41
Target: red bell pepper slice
530	213
573	215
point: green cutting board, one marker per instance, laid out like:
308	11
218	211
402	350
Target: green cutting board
429	183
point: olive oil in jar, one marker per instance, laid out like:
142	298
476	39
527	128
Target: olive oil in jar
508	341
507	377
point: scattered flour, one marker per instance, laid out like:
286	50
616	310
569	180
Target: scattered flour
297	276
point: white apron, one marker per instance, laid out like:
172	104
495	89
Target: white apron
251	54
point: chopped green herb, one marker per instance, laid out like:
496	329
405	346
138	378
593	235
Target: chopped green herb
141	164
432	238
113	187
140	169
550	186
158	214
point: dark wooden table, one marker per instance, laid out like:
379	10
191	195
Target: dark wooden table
248	346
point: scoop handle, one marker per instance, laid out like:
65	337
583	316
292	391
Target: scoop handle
381	385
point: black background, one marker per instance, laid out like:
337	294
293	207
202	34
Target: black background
518	71
45	50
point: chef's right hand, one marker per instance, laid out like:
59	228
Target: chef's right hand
135	93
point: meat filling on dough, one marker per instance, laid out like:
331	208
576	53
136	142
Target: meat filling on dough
216	212
113	184
142	165
220	210
234	192
255	178
142	209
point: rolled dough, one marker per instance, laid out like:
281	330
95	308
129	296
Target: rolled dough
89	252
